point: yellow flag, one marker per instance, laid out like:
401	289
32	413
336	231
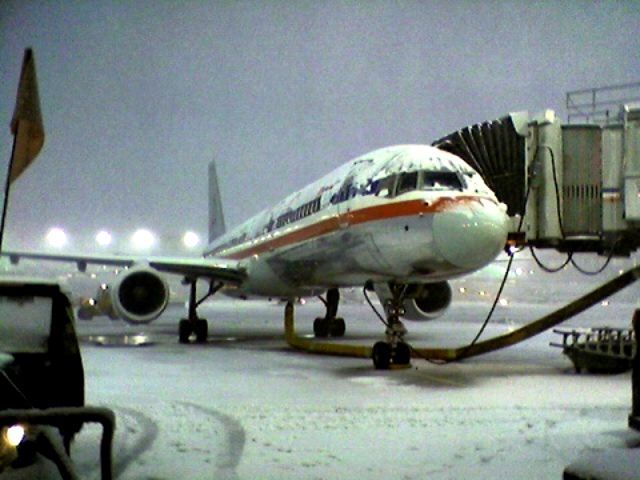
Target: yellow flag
26	123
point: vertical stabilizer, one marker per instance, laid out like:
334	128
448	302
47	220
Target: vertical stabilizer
216	218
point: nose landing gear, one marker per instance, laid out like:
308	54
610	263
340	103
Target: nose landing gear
394	351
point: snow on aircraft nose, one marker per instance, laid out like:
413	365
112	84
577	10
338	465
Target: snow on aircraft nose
471	235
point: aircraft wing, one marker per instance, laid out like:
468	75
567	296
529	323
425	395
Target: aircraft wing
226	271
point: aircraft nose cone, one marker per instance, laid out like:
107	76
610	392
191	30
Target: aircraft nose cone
470	236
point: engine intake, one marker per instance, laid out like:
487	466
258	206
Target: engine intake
139	295
427	301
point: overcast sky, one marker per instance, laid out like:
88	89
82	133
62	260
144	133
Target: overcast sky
138	97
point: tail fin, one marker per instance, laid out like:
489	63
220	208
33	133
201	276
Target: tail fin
216	218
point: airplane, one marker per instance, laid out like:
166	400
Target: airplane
400	221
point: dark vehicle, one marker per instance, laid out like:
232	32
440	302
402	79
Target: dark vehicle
42	379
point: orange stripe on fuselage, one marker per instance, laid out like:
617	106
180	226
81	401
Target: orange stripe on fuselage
349	218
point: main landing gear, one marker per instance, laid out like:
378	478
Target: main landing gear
193	325
394	351
330	325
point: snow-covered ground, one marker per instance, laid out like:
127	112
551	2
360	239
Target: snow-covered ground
246	406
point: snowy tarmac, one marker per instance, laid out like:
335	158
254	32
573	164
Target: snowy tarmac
246	406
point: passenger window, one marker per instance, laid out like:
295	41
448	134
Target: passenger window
408	182
441	181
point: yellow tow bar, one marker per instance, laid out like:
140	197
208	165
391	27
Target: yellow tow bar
454	354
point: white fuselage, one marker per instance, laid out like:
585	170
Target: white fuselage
409	213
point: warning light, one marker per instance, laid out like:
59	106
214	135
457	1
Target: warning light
15	435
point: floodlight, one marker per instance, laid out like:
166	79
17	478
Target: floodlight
56	237
104	238
190	240
143	239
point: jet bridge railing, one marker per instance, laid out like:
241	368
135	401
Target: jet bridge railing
599	105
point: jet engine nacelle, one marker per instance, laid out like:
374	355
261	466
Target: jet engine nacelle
427	301
139	295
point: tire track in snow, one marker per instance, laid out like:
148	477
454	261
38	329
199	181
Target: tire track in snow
124	457
229	458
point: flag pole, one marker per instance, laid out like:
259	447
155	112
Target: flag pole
27	130
7	188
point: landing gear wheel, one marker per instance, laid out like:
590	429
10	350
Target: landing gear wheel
184	331
337	327
402	354
329	327
192	325
201	329
381	356
321	327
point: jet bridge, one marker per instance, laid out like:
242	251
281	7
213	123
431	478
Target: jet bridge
570	187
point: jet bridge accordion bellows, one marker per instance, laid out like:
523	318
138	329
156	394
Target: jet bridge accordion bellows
497	151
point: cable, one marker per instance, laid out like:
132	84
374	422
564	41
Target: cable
520	224
550	269
495	302
508	269
557	189
484	324
375	310
592	272
512	255
604	265
559	214
533	254
430	360
570	258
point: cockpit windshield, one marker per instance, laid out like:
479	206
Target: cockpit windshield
441	181
407	182
429	180
419	180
